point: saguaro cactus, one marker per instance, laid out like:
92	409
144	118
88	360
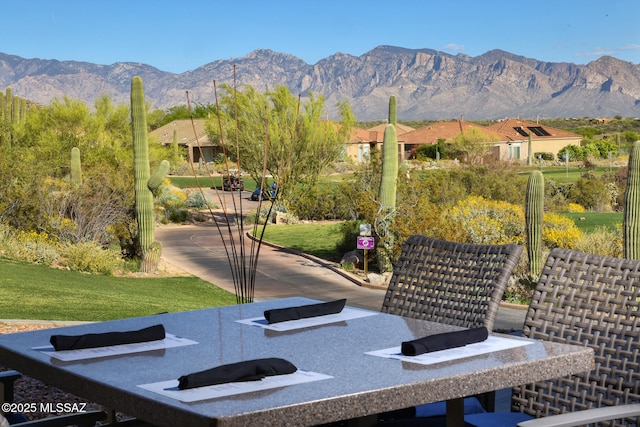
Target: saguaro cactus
388	183
76	169
144	183
534	215
631	216
387	197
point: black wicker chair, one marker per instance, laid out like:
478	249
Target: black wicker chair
588	300
459	284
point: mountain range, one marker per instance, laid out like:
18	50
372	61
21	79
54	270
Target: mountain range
428	84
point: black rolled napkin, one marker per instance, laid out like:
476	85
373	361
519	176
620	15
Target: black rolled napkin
304	311
76	342
249	370
444	341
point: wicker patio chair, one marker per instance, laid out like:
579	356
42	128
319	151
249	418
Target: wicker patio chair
459	284
589	300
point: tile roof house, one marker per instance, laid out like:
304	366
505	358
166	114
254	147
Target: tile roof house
544	139
197	142
449	130
364	140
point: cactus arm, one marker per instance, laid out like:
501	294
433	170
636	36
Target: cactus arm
158	176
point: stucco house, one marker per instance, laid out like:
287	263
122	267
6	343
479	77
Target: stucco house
449	130
190	135
544	139
363	141
510	138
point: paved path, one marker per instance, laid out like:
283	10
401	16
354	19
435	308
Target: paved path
198	250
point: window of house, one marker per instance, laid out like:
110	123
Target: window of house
514	152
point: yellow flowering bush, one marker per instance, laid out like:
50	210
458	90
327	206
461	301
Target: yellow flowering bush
574	207
559	232
475	219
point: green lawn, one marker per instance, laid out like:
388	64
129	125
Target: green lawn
592	220
314	239
31	291
572	174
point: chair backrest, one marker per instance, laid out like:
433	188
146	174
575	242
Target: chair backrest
458	284
594	301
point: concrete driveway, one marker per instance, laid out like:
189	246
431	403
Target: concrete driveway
199	250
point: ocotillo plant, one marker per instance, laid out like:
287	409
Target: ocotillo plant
631	216
76	169
534	215
387	196
144	183
242	256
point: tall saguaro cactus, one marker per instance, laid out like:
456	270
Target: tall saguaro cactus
387	197
144	183
534	215
631	216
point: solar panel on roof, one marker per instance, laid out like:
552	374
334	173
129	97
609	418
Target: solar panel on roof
521	131
538	130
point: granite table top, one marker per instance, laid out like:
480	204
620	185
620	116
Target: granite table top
360	385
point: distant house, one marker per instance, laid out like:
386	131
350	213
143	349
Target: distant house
197	142
449	130
364	140
544	139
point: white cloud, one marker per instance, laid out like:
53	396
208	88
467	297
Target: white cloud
631	46
454	46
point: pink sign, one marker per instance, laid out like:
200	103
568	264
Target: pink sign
365	242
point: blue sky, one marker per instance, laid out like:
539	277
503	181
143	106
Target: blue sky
178	36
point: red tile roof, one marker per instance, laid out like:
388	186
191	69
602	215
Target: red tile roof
448	131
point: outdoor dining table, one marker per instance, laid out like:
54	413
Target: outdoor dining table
348	374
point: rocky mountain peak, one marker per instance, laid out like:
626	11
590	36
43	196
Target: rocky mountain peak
427	83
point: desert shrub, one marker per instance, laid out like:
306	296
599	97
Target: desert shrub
544	156
319	203
90	258
196	200
601	241
593	194
479	220
350	230
174	214
171	197
559	232
31	246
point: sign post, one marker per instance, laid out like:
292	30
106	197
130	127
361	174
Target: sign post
365	242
